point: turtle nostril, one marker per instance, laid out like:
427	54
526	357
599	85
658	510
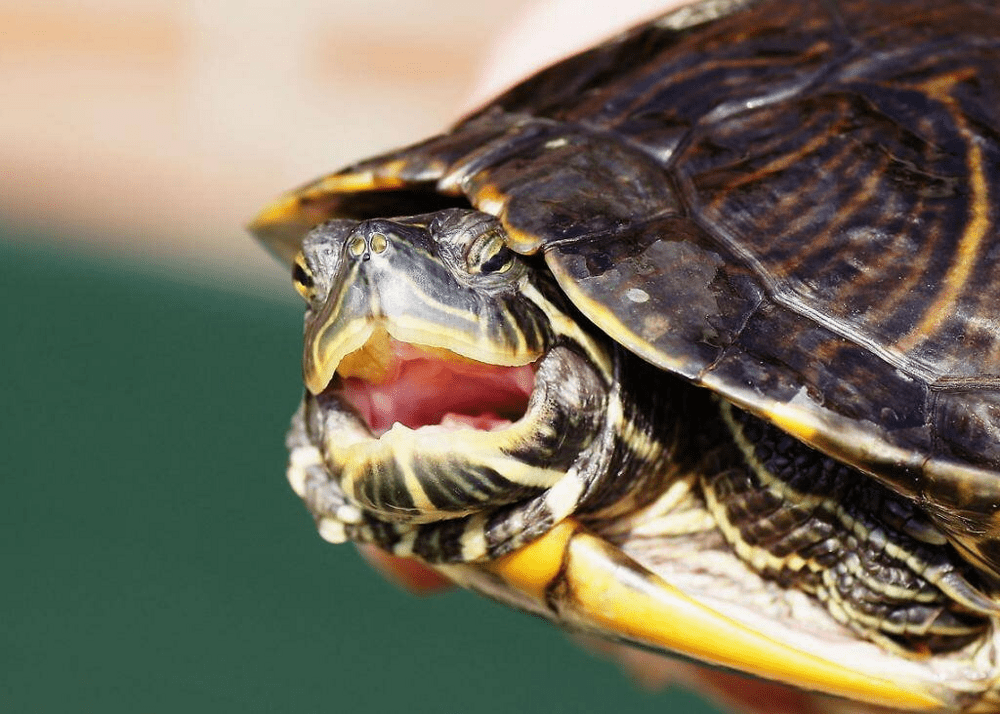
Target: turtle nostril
361	247
357	247
378	242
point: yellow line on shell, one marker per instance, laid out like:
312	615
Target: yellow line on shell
290	208
970	245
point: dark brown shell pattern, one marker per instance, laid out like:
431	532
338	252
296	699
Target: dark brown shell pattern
795	205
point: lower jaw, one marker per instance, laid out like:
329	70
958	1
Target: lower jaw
371	468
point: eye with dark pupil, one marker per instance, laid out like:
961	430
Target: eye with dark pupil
497	261
300	276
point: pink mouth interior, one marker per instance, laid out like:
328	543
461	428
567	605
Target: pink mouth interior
421	390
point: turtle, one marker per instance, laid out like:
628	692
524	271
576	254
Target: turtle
690	340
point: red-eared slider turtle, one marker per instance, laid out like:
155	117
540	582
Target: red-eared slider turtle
691	340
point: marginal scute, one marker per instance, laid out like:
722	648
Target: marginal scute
404	182
692	312
589	183
968	423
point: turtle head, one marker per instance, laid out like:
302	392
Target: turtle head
445	375
441	281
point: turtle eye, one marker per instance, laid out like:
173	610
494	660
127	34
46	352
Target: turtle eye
490	254
302	279
499	262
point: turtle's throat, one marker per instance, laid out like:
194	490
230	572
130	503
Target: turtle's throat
417	387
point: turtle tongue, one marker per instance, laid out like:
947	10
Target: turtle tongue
391	381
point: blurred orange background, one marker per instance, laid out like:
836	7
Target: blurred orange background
156	129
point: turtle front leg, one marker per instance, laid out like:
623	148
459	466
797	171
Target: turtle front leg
809	522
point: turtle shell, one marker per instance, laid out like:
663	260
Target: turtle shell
793	203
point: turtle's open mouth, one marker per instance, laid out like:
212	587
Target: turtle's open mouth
418	434
391	382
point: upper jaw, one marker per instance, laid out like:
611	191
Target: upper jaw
359	347
391	384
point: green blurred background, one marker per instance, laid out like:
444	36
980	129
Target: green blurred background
154	558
